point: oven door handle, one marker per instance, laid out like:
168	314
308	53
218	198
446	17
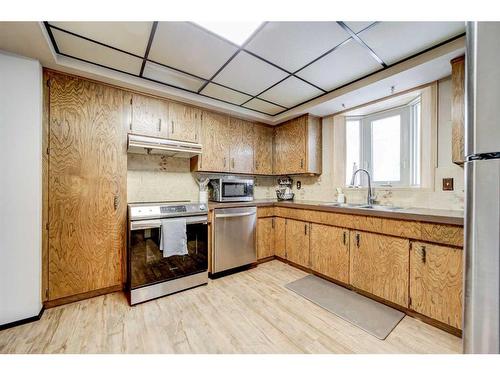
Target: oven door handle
145	224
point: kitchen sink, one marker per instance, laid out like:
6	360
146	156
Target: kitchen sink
363	206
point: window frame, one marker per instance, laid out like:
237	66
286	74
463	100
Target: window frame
409	178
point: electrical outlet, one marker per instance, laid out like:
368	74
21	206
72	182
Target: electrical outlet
299	185
447	184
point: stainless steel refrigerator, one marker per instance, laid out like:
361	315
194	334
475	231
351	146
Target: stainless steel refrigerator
481	331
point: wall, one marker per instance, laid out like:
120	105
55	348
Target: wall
154	178
322	188
21	188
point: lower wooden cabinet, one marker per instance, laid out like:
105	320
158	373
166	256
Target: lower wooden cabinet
297	242
330	251
265	237
436	275
280	237
379	265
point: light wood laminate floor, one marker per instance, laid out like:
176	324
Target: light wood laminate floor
247	312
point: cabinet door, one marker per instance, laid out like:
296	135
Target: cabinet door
215	141
379	265
263	150
297	242
87	186
436	282
290	146
149	116
458	109
265	237
279	237
241	135
184	122
330	251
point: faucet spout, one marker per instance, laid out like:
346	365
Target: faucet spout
369	199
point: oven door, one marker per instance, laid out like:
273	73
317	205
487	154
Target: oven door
148	265
237	191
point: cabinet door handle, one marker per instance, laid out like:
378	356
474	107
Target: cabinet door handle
116	201
172	127
232	162
358	239
272	223
423	254
344	238
224	162
301	163
305	229
159	125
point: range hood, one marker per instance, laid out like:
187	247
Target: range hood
141	144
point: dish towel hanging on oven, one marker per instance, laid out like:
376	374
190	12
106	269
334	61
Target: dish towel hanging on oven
173	239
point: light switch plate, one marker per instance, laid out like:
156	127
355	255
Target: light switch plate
447	184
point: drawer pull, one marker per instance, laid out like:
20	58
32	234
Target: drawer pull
344	238
423	254
159	125
358	239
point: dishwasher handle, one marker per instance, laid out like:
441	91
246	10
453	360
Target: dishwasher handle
235	215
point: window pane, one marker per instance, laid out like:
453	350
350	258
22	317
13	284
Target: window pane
386	155
352	153
416	144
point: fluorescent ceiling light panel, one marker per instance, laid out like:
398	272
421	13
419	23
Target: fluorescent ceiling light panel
236	32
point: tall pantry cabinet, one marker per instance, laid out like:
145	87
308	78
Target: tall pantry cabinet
86	187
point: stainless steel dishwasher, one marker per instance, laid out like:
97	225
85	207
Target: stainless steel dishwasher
234	238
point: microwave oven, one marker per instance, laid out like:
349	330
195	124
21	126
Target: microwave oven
231	189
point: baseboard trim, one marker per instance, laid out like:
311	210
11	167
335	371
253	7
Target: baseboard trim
82	296
23	321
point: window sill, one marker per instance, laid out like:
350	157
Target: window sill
389	188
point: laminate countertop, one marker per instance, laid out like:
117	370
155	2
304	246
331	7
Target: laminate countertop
450	217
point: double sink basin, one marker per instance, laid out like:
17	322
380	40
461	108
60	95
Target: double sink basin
376	207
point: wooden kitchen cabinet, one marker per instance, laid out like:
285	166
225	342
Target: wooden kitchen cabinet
458	110
265	237
297	242
184	122
379	265
330	251
216	144
263	150
436	282
87	200
297	146
149	116
241	146
280	237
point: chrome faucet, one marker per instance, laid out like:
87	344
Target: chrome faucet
370	198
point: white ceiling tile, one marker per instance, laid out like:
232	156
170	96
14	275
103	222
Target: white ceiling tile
223	93
190	48
357	26
291	45
345	64
263	106
290	92
249	74
128	36
92	52
171	77
394	41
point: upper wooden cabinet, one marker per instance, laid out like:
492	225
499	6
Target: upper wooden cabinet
241	146
297	146
379	265
436	282
263	149
458	109
330	251
216	143
149	116
184	122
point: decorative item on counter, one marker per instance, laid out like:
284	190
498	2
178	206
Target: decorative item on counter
203	183
340	196
284	191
